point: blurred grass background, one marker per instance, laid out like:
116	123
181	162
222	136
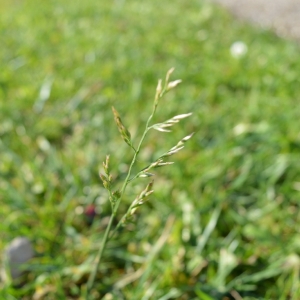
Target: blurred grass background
225	215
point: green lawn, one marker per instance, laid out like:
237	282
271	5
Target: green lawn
223	222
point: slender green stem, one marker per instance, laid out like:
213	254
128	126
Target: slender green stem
92	277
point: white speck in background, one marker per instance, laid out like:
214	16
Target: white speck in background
238	49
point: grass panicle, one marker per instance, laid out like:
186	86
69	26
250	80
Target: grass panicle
116	199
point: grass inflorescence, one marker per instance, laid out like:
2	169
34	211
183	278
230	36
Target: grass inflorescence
115	197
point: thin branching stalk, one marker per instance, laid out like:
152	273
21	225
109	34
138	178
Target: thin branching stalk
106	179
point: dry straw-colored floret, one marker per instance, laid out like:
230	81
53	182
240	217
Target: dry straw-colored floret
162	126
178	147
173	84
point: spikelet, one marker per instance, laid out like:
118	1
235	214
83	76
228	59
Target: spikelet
125	134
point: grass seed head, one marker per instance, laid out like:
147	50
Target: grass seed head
105	181
106	165
122	129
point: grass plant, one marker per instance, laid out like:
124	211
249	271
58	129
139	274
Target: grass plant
115	197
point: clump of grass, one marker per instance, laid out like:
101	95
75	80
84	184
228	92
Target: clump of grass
116	196
233	232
